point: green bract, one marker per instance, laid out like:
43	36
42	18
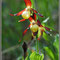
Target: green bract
36	56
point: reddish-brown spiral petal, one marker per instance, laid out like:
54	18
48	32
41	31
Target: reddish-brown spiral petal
26	30
17	14
38	13
47	28
11	14
38	22
21	20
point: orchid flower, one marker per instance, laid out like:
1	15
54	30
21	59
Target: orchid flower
36	28
27	12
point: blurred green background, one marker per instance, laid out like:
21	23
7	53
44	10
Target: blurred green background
12	30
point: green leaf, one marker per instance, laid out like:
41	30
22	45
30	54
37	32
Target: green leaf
27	58
56	42
49	52
20	58
36	56
32	3
42	56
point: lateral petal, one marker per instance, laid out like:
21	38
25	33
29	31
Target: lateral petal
25	31
47	28
38	13
21	20
17	14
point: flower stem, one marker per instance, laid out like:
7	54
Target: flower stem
37	42
37	45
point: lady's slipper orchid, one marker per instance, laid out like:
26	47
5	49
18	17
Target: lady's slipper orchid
36	28
26	13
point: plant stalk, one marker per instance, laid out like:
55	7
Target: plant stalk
37	45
